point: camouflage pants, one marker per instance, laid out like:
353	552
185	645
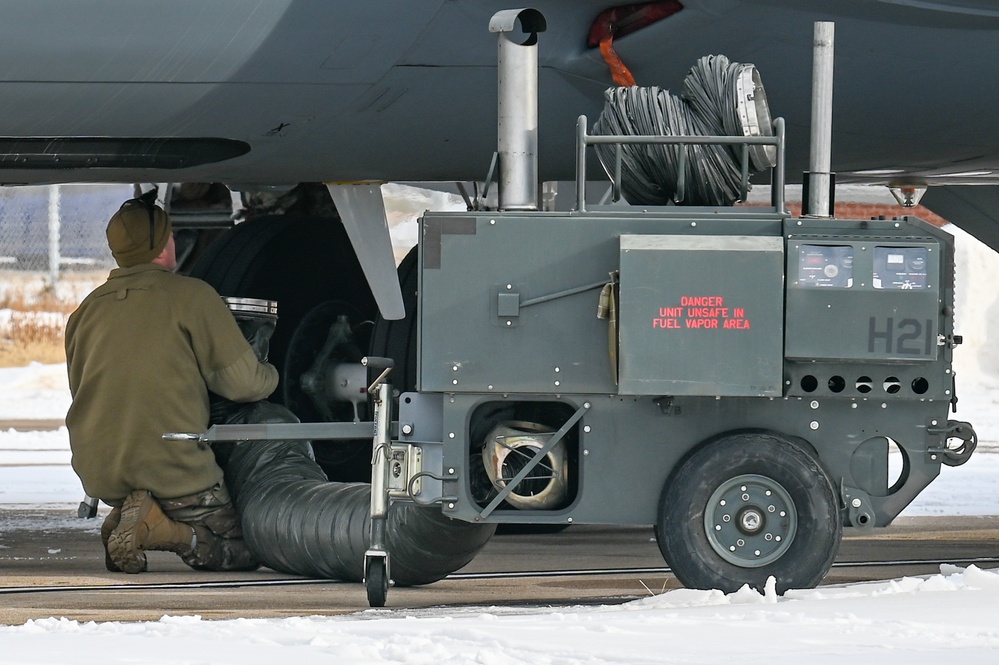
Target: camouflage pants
215	521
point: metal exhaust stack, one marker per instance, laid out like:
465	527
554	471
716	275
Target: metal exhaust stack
517	140
821	145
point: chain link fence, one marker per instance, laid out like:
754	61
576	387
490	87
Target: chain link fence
56	228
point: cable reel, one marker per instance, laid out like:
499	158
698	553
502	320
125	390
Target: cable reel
719	98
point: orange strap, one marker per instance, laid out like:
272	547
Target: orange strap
619	71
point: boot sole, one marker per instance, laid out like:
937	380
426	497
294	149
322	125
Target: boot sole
123	548
108	563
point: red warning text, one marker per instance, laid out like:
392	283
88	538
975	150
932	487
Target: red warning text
701	313
701	301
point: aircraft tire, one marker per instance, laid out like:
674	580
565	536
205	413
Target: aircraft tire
397	339
305	263
299	261
294	519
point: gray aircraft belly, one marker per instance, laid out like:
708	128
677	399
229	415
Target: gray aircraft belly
405	90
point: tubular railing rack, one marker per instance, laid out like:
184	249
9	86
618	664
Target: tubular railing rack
583	140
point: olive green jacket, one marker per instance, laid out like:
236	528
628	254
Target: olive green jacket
142	352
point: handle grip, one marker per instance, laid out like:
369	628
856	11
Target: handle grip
377	362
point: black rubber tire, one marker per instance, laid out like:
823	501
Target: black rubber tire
299	261
682	534
290	511
397	339
376	582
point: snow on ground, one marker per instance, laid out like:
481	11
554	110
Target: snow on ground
946	617
34	392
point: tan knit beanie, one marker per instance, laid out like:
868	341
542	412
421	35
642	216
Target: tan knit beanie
137	233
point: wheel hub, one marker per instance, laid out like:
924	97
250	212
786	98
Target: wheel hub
750	521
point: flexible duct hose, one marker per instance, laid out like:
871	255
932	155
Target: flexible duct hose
708	106
296	521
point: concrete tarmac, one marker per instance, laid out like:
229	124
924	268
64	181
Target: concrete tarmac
52	564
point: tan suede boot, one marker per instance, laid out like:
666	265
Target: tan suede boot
144	526
110	524
213	552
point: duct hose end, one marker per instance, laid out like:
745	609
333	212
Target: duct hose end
257	319
508	449
754	114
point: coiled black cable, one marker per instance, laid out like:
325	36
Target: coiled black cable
708	106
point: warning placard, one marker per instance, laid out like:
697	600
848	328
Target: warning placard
701	313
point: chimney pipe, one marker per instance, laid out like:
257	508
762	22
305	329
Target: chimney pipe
517	109
819	176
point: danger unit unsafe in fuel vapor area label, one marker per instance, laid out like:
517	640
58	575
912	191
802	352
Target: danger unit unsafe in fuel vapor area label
701	313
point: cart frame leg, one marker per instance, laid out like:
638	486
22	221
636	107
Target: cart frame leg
376	558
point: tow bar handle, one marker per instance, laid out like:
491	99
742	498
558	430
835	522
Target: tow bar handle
376	363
